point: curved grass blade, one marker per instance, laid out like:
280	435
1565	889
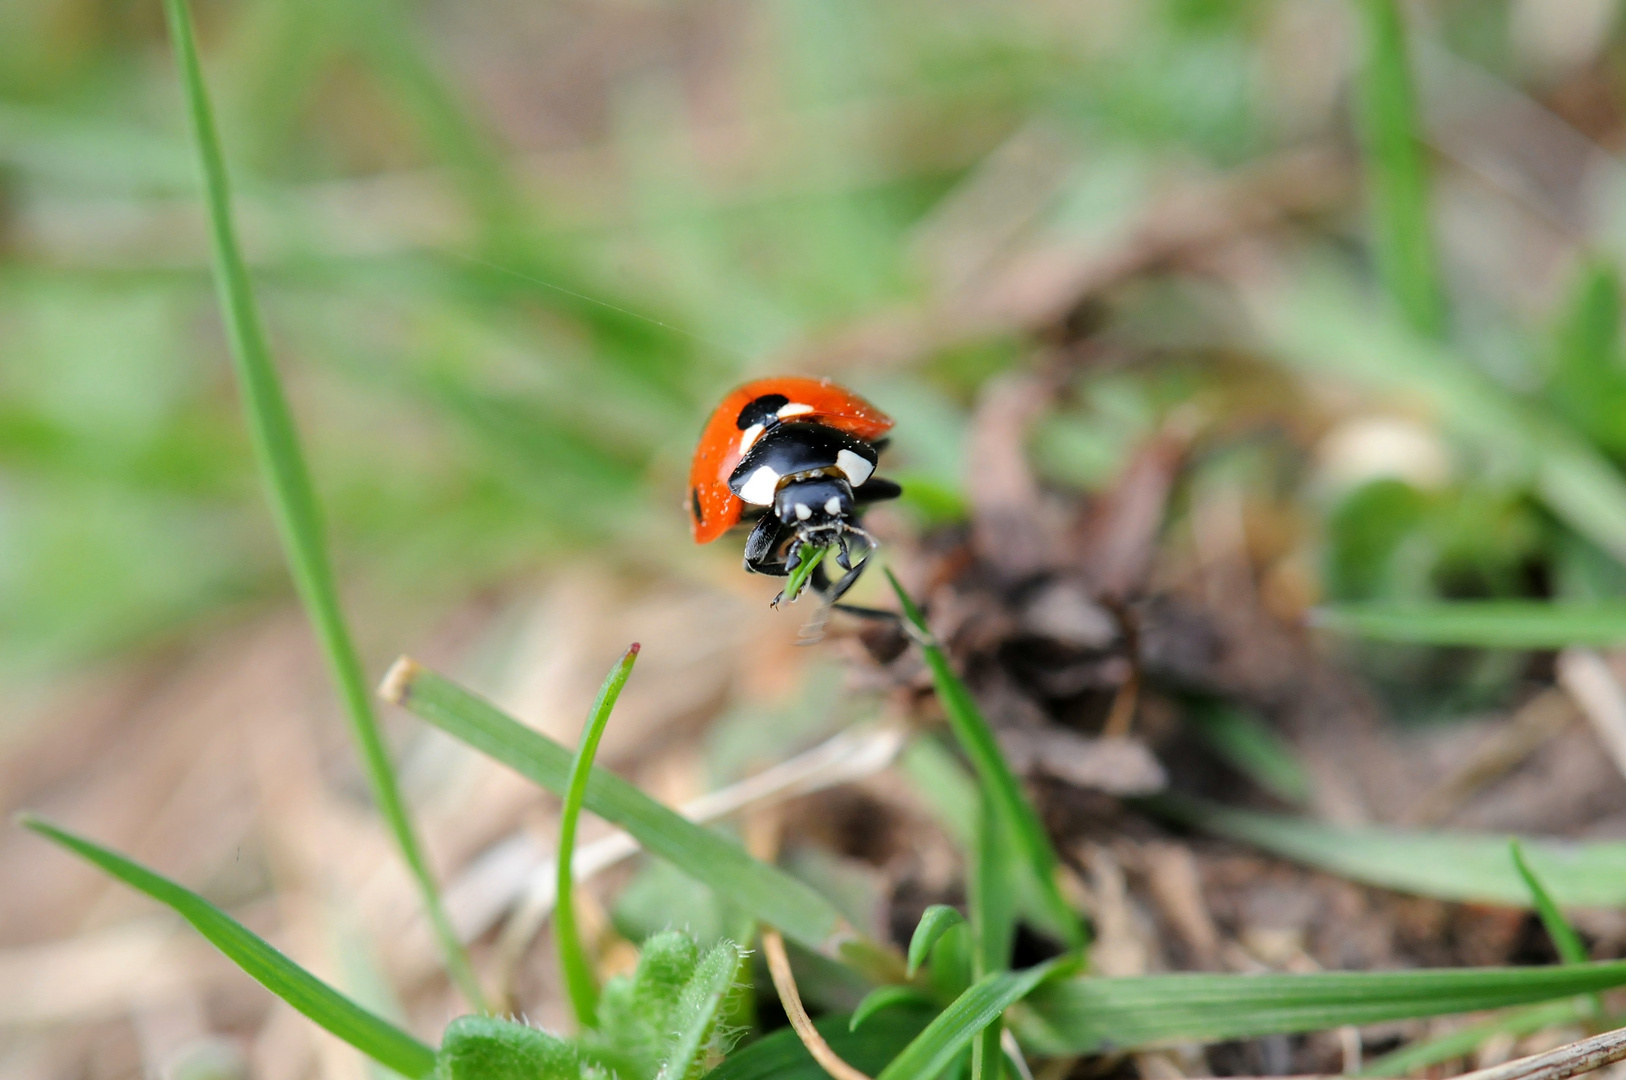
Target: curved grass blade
578	973
372	1035
934	922
764	891
804	570
288	487
1396	173
953	1029
1448	865
1490	624
1081	1016
882	998
994	774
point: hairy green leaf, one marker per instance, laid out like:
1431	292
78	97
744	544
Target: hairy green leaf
372	1035
487	1048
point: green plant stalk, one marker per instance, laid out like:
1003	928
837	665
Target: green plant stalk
998	783
578	972
993	926
1396	173
292	498
371	1034
1487	624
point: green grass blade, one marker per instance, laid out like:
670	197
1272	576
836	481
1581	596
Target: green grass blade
1490	624
1465	1041
952	1031
1252	748
764	891
1565	939
934	923
1085	1015
372	1035
1449	865
884	997
804	570
1396	172
293	501
994	774
578	973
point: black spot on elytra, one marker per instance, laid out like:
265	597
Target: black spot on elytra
764	410
694	505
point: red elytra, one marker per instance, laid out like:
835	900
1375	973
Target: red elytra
713	508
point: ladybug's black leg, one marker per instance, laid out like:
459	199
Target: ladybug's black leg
876	489
762	548
830	593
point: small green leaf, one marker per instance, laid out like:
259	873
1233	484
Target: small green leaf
292	498
1085	1015
694	1020
1448	865
953	1029
1565	939
934	922
804	570
885	997
765	891
372	1035
1490	624
580	982
1588	381
994	774
486	1048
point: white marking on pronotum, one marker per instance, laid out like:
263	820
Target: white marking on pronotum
759	489
832	505
803	511
856	468
748	437
793	409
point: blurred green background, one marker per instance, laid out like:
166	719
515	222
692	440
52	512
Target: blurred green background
510	254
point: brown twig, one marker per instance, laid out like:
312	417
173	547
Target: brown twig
773	947
1561	1064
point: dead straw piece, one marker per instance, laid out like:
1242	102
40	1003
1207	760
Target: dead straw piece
773	948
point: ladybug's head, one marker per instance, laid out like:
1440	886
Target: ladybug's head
819	508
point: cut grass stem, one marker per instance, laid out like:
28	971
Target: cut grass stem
292	498
580	981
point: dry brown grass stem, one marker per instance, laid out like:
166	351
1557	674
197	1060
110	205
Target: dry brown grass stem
773	948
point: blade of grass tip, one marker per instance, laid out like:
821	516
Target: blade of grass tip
372	1035
293	501
578	973
1396	173
994	774
972	1012
934	922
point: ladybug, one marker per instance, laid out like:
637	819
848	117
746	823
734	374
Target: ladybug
797	455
